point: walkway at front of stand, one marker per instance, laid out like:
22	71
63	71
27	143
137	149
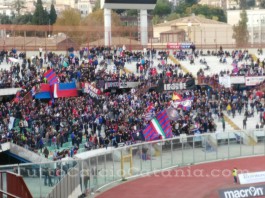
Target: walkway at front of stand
200	181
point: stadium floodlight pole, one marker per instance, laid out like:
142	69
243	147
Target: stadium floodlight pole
130	41
49	26
260	31
144	27
189	31
107	23
142	5
151	46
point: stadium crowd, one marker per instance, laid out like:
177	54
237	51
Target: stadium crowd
113	118
233	101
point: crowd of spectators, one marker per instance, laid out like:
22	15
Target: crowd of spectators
233	101
243	63
111	119
53	123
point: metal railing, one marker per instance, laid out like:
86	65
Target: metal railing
52	38
107	166
13	186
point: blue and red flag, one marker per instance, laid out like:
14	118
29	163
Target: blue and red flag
164	121
43	92
64	90
51	77
158	128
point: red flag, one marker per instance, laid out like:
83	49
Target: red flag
17	98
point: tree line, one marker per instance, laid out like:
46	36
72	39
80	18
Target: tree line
164	10
247	4
40	16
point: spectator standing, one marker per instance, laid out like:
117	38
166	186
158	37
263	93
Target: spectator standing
223	123
234	173
46	152
73	138
57	175
106	142
245	123
50	173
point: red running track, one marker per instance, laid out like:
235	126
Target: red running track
198	181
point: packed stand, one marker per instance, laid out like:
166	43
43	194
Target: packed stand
83	122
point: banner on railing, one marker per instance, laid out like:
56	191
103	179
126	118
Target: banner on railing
237	80
254	80
124	84
112	84
252	178
225	81
179	45
180	84
174	86
120	84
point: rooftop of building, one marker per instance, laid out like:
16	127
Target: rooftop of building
191	19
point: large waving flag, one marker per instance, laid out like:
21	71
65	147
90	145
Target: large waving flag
158	127
64	90
43	92
164	121
51	77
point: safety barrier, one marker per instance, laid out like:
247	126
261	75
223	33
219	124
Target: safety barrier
12	185
69	178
